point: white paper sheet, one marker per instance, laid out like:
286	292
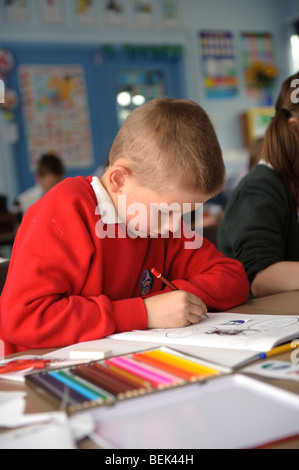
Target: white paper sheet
225	330
55	434
12	407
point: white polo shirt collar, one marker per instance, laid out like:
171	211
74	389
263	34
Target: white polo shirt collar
263	162
105	204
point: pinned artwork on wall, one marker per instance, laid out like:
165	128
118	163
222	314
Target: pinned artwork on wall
219	65
56	113
51	11
85	11
114	12
170	13
143	13
15	10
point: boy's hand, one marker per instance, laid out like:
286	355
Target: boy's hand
174	309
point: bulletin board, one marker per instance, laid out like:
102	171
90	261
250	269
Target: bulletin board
56	113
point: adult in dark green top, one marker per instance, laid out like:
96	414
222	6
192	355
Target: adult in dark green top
260	225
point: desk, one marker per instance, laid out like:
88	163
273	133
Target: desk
279	304
286	303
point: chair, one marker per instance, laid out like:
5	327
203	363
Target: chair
3	274
3	204
8	227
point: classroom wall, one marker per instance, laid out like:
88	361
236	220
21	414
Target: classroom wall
292	10
237	16
271	16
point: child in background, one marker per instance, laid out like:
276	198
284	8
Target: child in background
49	172
260	225
80	267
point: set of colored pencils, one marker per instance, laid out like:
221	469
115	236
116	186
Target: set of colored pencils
118	378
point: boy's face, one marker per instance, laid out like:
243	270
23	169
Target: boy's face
149	213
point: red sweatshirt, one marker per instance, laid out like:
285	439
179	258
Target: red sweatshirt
65	285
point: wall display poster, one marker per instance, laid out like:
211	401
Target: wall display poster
219	65
15	10
114	10
255	47
143	13
85	11
51	11
56	113
170	13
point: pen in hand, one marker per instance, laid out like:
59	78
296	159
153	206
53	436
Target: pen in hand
167	283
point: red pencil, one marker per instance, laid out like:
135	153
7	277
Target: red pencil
167	283
163	279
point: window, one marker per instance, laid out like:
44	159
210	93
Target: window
136	87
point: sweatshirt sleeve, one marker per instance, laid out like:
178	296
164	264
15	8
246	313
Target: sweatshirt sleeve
219	281
42	304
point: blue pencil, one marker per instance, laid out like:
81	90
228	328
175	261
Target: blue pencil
75	386
57	389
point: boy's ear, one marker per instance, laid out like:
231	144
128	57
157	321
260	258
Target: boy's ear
294	124
117	177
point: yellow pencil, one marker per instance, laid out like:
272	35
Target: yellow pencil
279	350
188	365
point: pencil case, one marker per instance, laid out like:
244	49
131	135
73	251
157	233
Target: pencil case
118	378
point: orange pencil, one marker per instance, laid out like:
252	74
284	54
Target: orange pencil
184	374
175	377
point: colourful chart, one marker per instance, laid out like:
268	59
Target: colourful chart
56	113
218	64
255	47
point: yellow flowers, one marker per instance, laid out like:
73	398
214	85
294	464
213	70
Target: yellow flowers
261	75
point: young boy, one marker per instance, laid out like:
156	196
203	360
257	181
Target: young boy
80	267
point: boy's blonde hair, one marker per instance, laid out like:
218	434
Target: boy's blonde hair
171	142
